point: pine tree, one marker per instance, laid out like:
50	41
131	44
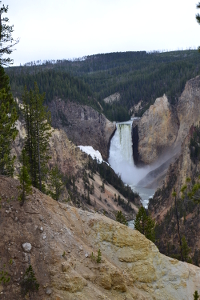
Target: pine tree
56	183
145	224
177	220
6	40
24	178
29	283
99	256
185	250
121	218
37	123
196	295
8	131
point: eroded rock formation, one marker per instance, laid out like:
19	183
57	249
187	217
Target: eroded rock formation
157	131
61	241
163	128
83	125
188	107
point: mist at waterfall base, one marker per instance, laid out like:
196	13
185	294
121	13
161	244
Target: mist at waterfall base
121	161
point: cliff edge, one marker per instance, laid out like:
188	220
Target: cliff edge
83	125
61	243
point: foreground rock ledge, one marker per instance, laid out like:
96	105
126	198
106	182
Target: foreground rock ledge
131	266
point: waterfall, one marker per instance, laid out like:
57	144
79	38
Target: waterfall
121	159
121	153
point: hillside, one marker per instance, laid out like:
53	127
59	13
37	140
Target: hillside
135	76
185	167
61	244
86	184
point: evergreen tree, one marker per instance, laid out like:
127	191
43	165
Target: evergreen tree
56	183
177	220
121	218
185	250
145	224
8	131
6	40
29	284
196	295
24	178
37	123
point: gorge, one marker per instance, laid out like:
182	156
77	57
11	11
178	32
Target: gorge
150	153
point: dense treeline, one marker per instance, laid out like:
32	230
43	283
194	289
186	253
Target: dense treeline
54	84
135	75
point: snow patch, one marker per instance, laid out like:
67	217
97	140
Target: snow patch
95	154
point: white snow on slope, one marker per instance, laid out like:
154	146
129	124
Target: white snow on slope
95	154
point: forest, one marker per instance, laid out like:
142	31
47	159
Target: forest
137	76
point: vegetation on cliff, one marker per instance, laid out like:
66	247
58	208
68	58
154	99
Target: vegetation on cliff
8	115
145	224
37	124
135	75
194	145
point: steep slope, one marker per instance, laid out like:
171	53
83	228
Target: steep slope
86	184
163	127
83	125
188	107
162	204
58	241
157	131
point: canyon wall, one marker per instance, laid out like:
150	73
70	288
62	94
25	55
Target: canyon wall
62	244
163	127
157	131
162	204
83	125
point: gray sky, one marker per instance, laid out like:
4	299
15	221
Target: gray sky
66	29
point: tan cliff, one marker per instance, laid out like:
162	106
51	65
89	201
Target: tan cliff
163	202
163	128
83	125
183	167
188	107
58	241
157	130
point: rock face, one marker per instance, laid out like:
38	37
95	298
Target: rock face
65	262
83	125
112	98
189	107
163	128
157	131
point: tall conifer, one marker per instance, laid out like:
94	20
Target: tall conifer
8	131
37	123
24	178
145	224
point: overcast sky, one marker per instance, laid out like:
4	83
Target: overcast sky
66	29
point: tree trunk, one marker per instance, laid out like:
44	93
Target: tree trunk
177	219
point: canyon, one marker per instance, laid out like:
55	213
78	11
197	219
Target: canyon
65	236
61	243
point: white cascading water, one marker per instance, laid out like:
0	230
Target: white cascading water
121	160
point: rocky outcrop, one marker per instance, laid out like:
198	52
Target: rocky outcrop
112	98
83	125
64	245
157	131
188	107
163	128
